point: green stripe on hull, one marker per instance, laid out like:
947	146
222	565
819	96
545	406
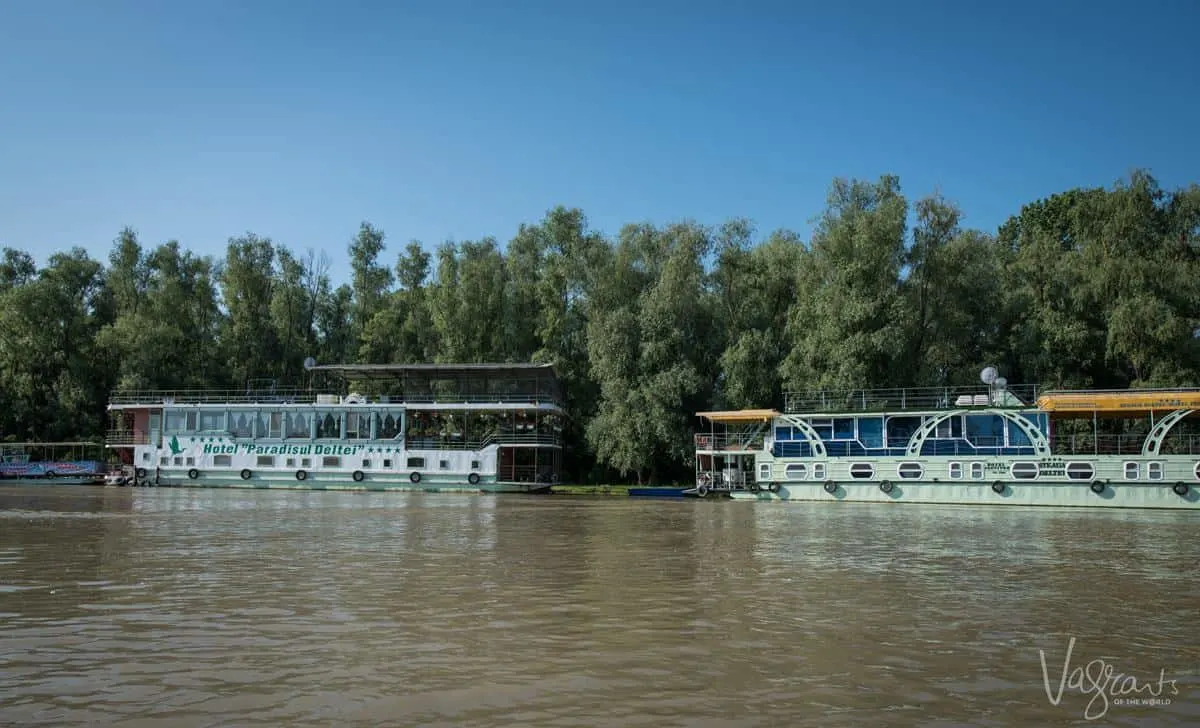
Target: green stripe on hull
432	484
1117	495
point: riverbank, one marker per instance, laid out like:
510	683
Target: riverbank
665	491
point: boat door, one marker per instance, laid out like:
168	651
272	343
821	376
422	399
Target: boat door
506	465
156	429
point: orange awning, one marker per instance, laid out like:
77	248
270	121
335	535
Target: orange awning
1124	402
740	416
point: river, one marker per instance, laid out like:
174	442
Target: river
191	607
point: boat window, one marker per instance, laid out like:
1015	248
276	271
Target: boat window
985	430
222	461
1131	471
843	428
1196	471
900	429
956	471
270	424
331	461
910	471
328	427
764	471
1154	471
944	429
358	426
1024	470
474	465
181	421
870	431
1080	471
389	426
164	460
306	462
241	423
444	464
783	433
977	471
289	463
862	471
1016	436
212	421
178	461
366	464
190	461
387	462
266	461
1039	420
296	425
416	462
818	471
797	471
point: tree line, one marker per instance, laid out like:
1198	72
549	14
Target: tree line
1096	287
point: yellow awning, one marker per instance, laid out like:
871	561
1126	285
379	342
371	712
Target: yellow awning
1129	401
740	416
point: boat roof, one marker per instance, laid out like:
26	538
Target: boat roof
1122	402
740	416
387	372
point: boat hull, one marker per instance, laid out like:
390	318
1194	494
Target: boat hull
338	481
48	482
1113	495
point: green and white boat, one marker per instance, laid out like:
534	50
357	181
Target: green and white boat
987	445
431	427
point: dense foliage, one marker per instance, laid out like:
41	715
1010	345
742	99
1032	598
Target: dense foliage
1091	287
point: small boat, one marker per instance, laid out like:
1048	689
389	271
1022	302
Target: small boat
51	463
660	492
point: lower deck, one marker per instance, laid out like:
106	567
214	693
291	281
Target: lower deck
1172	496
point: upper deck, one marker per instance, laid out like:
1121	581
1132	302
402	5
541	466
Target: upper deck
849	401
395	384
1059	403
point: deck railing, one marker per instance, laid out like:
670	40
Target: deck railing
910	398
1174	444
126	438
129	438
152	397
1123	445
726	442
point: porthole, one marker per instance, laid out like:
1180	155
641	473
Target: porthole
862	471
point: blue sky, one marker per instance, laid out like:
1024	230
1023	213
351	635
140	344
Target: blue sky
456	120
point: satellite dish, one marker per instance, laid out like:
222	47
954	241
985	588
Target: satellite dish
1001	382
988	375
309	363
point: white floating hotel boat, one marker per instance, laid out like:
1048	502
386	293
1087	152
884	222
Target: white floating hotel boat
456	427
993	444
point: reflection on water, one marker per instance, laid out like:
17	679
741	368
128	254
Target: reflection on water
265	608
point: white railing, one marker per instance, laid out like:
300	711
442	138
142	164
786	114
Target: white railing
909	398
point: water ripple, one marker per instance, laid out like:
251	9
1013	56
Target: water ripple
211	608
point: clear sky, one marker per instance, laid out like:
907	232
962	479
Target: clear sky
441	120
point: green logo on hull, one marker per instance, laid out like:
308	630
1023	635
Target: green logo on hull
175	448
